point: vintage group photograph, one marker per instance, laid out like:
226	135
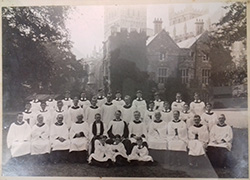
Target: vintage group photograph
125	90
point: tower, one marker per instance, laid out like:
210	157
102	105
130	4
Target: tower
117	18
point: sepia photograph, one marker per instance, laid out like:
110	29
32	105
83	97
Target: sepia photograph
146	90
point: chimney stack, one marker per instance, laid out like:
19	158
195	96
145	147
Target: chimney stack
199	26
157	25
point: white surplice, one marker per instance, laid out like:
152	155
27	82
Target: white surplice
79	143
57	131
157	135
18	139
40	143
196	146
177	142
140	154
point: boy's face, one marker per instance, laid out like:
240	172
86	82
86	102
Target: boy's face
137	115
93	102
157	116
28	106
40	119
117	115
118	95
208	107
127	100
166	106
19	117
176	115
109	98
43	105
222	119
79	117
178	97
185	107
67	95
98	117
59	118
75	101
197	120
139	95
60	104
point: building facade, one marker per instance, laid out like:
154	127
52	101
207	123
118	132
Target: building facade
119	18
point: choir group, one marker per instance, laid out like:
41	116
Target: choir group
106	131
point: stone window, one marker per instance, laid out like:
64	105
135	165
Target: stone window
184	76
162	56
162	74
205	57
205	76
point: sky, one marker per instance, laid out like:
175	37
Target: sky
86	24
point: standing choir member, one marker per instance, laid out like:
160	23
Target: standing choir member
79	140
59	139
139	103
178	103
101	155
67	101
74	111
60	109
40	143
198	138
187	116
35	103
118	127
118	102
220	143
97	129
108	110
46	113
18	137
91	111
197	106
166	113
29	115
84	102
209	118
158	102
157	133
140	154
177	139
149	114
100	98
127	110
51	103
137	129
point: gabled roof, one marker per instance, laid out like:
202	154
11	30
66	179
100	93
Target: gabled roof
152	38
189	42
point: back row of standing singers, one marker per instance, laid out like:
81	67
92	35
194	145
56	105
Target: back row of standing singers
78	125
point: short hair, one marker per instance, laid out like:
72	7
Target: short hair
178	94
127	97
208	104
98	114
197	116
39	115
223	115
139	91
176	111
19	113
137	112
59	101
118	111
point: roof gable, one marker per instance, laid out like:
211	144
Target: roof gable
163	33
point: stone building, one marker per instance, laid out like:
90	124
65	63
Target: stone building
162	54
118	18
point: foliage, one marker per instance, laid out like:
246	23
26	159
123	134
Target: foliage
37	55
230	29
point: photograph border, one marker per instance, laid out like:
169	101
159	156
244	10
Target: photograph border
5	3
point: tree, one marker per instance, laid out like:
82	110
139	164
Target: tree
36	52
230	29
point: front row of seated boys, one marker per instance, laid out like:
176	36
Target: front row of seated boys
126	143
